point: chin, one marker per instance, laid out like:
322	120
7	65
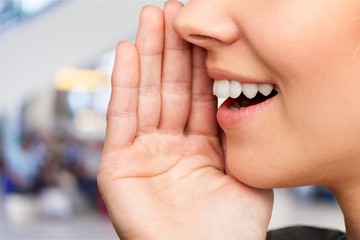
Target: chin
263	172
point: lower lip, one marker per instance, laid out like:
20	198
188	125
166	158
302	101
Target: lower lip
228	118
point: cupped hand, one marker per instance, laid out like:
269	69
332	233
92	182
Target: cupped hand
162	170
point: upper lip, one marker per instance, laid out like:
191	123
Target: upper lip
217	73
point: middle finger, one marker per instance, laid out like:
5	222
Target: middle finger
176	75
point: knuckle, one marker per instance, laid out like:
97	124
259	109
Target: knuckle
203	97
176	86
126	113
149	90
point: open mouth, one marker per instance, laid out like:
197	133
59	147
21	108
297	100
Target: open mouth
242	101
243	94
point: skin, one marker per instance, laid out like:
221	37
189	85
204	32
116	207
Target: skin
162	172
310	134
307	49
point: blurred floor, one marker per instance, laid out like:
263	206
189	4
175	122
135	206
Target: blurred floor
87	226
92	225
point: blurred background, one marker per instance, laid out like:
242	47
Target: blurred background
55	65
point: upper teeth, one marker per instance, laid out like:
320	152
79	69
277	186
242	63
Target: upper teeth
233	89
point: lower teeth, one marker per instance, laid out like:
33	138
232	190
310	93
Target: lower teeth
235	106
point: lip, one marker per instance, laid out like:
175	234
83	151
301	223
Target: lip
228	118
222	74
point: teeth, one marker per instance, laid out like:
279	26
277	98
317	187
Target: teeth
222	89
250	90
233	89
235	106
215	87
265	89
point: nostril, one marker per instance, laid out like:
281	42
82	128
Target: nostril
195	26
184	25
199	37
203	40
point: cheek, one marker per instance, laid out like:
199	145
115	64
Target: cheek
304	37
266	157
316	123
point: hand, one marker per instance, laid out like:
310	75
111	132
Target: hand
162	170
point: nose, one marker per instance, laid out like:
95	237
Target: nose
206	22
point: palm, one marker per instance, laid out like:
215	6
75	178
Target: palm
162	170
173	180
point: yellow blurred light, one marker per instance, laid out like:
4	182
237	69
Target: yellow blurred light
81	80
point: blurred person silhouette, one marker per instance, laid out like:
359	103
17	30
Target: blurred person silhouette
24	154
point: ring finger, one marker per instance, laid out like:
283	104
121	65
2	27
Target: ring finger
150	44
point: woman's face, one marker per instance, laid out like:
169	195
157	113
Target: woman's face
309	133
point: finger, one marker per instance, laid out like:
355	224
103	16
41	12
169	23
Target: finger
150	43
176	75
202	119
121	115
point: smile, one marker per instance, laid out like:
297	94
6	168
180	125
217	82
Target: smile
243	95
